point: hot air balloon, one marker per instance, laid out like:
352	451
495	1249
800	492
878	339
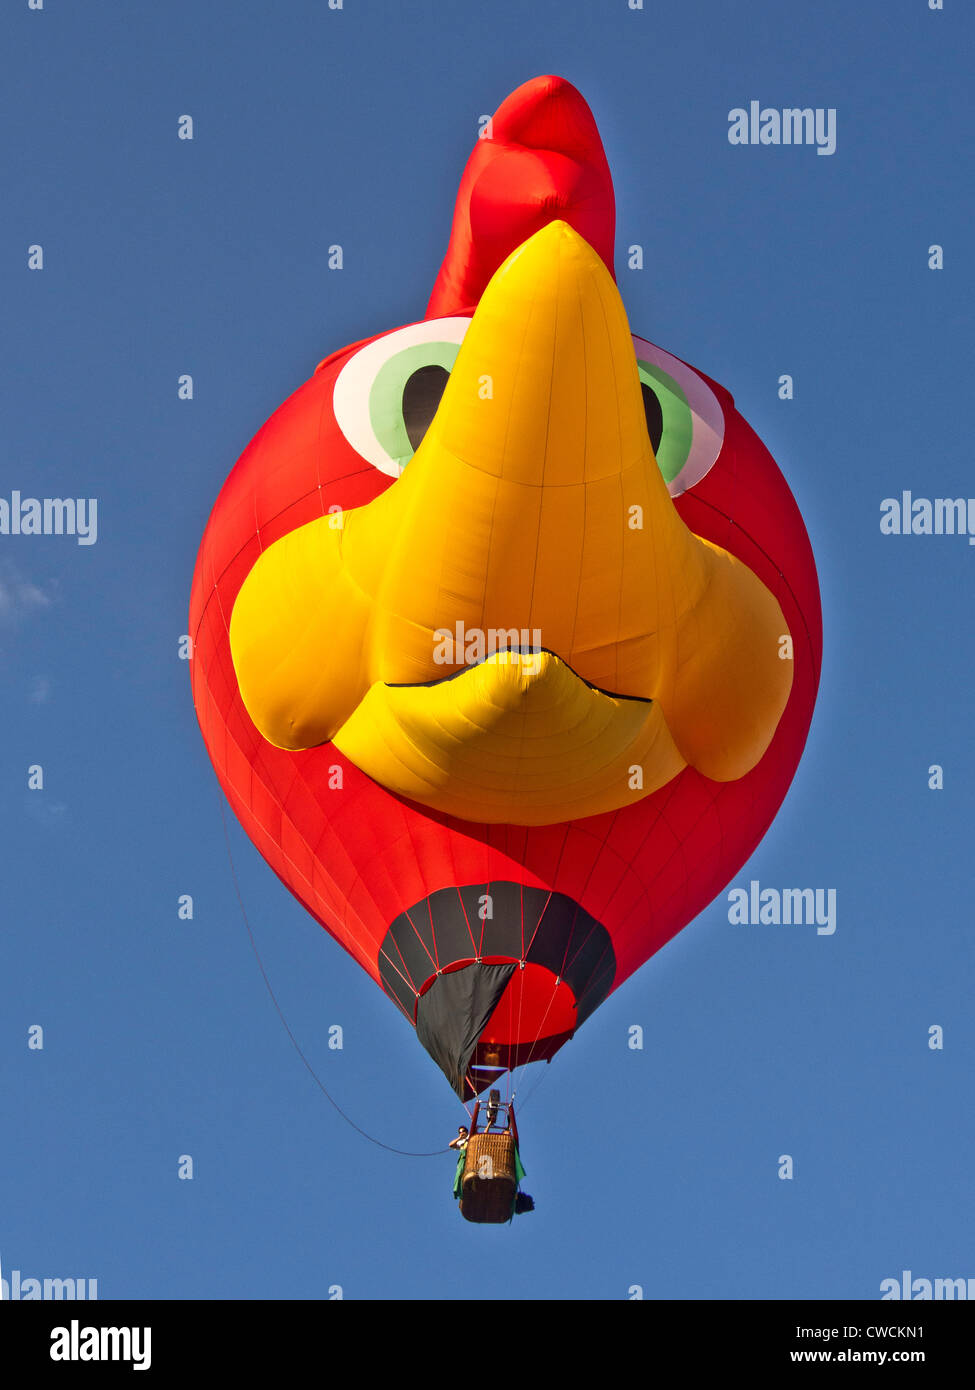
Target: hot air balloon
506	625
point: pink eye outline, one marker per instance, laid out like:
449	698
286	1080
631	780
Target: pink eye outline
353	386
707	416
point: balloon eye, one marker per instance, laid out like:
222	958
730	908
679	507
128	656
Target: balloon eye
654	413
387	394
685	421
668	419
421	395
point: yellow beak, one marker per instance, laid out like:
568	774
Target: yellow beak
533	503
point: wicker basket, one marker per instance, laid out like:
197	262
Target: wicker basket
489	1182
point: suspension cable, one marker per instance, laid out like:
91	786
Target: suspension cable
405	1153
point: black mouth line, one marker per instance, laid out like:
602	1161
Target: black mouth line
521	651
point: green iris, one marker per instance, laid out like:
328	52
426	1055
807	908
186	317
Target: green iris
386	394
678	426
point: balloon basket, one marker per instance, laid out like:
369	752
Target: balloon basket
489	1183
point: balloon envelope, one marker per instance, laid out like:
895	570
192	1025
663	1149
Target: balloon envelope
506	625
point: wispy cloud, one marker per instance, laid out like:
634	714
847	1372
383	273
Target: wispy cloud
20	598
40	690
45	812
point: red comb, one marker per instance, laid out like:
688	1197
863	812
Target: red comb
542	159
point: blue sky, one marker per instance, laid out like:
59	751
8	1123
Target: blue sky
655	1168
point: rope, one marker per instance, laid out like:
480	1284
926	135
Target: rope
543	1073
405	1153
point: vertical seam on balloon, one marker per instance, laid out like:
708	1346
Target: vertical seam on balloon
341	917
512	1046
569	939
587	983
318	444
455	876
619	430
601	842
761	549
558	862
358	879
406	914
406	978
296	872
354	948
585	491
463	908
548	1010
680	849
214	590
514	366
521	972
538	923
403	973
540	491
433	929
594	975
407	832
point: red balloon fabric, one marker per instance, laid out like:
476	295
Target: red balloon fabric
572	908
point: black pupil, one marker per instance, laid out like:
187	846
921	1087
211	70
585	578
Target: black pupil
421	396
424	389
654	414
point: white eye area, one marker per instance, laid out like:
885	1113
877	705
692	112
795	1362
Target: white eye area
705	417
368	400
368	393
